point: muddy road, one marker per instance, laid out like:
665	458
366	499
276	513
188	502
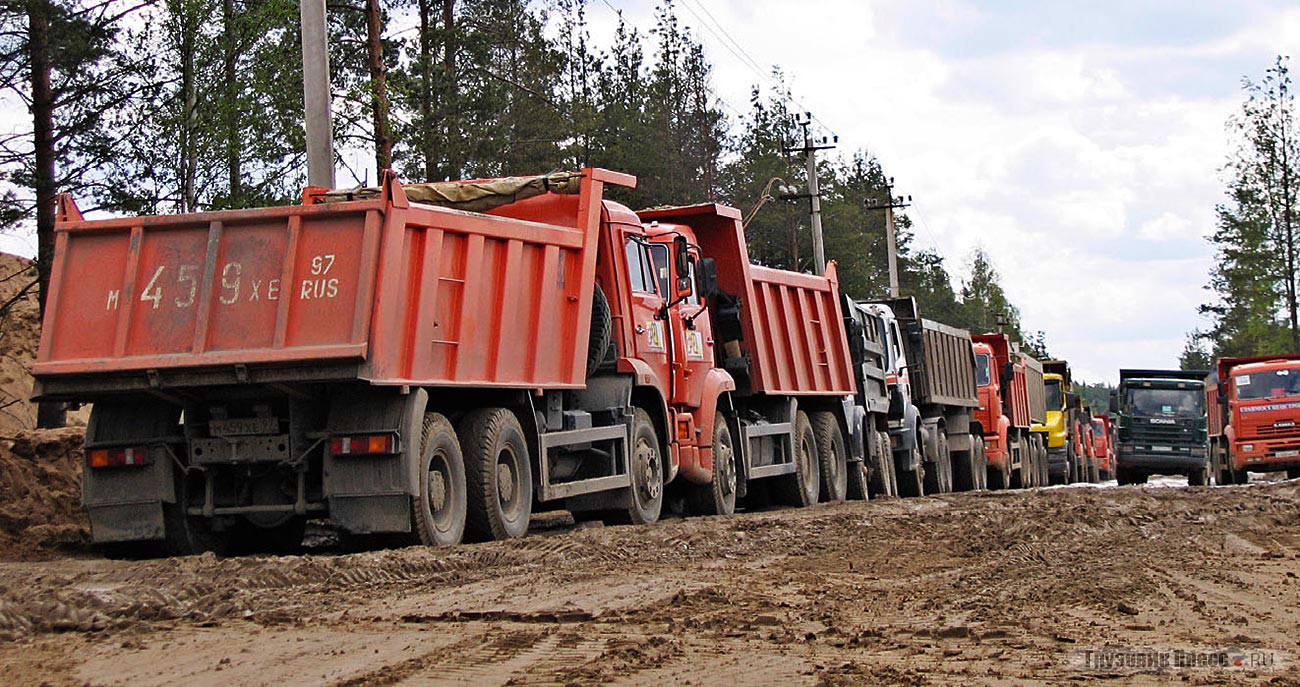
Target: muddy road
988	588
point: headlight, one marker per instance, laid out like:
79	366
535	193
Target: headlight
1248	447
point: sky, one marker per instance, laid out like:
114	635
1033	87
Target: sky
1079	144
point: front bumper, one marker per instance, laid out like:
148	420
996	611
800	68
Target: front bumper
1159	460
1266	454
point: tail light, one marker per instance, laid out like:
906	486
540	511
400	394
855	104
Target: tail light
117	457
891	378
363	444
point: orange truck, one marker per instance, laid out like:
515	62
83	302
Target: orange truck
429	362
1011	401
1253	417
1103	441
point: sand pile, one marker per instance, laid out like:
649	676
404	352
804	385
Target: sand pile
40	492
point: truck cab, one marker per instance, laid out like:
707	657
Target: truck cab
1102	446
1162	425
1256	417
990	415
904	416
1059	452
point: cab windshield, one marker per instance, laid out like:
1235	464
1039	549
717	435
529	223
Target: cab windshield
1269	384
1054	400
982	369
1149	401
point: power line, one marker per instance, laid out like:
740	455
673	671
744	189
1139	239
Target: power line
747	60
719	98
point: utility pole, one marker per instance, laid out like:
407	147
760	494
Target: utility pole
891	242
316	94
809	150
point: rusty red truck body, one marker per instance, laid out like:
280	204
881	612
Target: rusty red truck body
412	365
1012	401
1253	417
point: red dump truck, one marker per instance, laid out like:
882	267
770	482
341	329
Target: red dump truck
1012	400
432	361
1253	417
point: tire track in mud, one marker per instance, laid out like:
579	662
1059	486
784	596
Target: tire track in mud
890	592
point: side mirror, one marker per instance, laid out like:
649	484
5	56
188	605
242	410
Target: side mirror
682	266
706	278
1114	403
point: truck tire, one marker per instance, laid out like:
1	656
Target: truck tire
602	330
884	479
911	483
438	513
981	458
718	497
998	477
1198	478
1094	475
1044	468
832	456
939	480
1293	473
647	472
801	488
498	475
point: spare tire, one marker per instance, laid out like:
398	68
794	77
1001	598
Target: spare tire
602	330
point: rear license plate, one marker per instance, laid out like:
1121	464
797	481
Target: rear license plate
244	426
1288	454
1162	448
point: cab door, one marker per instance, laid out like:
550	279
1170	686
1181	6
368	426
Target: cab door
649	331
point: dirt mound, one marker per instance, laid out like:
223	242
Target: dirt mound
40	491
20	332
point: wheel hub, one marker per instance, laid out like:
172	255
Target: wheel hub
505	482
726	468
437	491
647	466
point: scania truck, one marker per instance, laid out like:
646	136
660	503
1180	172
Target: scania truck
1162	425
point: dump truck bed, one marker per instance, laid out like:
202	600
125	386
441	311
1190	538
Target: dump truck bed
381	289
793	330
1037	392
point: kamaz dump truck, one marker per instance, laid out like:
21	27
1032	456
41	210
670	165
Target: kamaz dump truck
425	362
1162	425
1254	417
1011	401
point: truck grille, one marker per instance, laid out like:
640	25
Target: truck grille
1269	431
1162	434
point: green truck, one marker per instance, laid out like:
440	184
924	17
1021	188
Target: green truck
1161	425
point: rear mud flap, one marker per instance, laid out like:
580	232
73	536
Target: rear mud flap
126	522
371	514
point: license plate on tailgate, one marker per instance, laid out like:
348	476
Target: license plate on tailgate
244	426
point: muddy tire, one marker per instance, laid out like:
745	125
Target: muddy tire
718	497
647	472
602	330
999	477
884	480
832	456
981	462
1198	478
1293	473
498	475
801	488
911	483
439	511
939	480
